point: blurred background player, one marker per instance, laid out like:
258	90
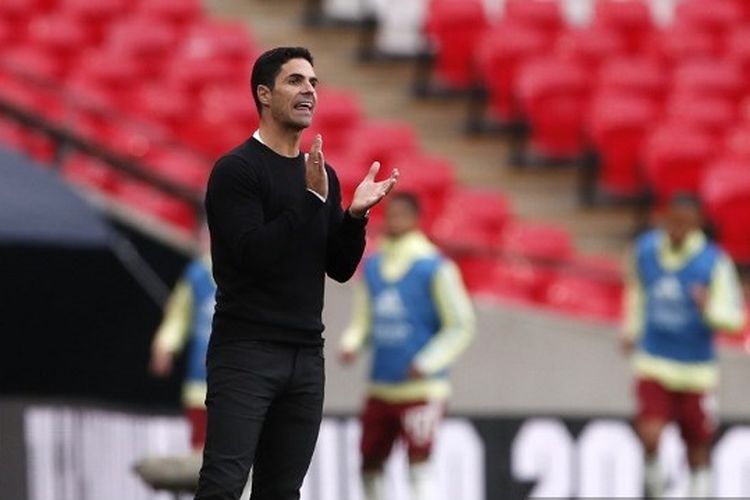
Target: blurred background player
187	322
681	290
415	314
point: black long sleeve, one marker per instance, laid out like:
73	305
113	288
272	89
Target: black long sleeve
346	237
272	242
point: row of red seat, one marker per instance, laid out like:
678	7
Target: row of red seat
663	108
464	37
140	78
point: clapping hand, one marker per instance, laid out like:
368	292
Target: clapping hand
316	176
370	192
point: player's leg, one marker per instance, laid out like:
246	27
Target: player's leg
243	378
419	425
291	430
654	412
196	417
698	424
380	428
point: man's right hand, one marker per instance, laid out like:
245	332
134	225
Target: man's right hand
316	176
627	344
347	357
161	362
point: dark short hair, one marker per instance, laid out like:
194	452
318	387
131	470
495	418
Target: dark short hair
268	66
409	198
684	199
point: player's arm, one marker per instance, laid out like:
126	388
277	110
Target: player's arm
725	306
457	322
357	333
234	203
633	305
173	330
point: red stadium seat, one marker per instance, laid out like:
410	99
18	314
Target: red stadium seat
59	36
148	42
178	13
381	141
117	76
498	57
454	27
33	98
546	243
91	173
590	46
542	15
229	103
517	281
7	35
146	199
676	44
737	142
710	78
675	157
738	49
430	178
553	94
180	167
472	220
631	18
349	173
725	192
15	15
639	76
28	61
169	107
134	142
744	8
11	135
715	17
96	16
197	75
617	129
711	114
582	297
227	41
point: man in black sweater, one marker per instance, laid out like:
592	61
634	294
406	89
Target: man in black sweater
277	228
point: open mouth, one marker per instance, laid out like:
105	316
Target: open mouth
304	106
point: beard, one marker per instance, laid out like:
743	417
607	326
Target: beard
288	121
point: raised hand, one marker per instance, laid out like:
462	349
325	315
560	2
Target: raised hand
369	192
316	176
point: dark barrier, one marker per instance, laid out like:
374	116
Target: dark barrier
86	454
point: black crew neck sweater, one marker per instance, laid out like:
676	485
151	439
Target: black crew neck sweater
272	243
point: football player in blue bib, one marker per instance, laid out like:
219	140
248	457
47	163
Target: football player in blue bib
412	311
681	290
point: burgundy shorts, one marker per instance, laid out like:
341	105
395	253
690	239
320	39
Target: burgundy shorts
384	423
197	419
694	412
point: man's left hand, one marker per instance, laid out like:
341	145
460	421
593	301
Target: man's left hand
415	373
700	296
369	192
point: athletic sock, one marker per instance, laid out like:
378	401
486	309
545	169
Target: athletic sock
653	478
700	482
420	482
374	483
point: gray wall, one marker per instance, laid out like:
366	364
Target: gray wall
528	361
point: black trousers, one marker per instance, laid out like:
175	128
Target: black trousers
265	403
